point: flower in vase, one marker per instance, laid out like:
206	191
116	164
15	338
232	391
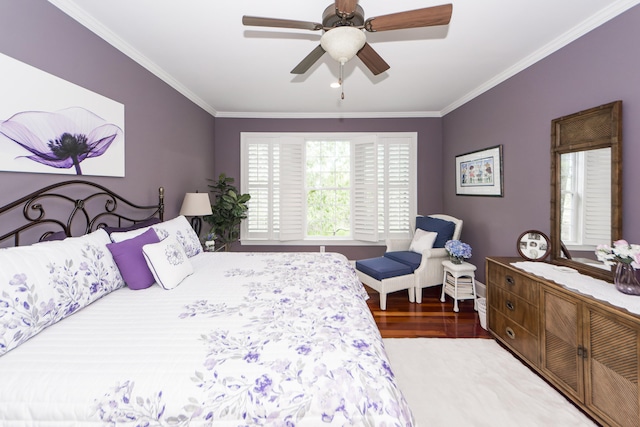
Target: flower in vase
457	249
621	251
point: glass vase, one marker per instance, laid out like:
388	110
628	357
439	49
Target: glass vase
455	259
626	279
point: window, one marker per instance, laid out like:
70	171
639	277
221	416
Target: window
585	198
334	188
328	188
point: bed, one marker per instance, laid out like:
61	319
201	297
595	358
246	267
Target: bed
217	338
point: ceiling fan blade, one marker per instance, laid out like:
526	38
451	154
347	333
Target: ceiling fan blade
372	60
429	16
308	61
346	8
256	21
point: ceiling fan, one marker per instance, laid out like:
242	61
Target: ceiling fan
343	37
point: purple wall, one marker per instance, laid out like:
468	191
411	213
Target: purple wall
598	68
429	164
168	139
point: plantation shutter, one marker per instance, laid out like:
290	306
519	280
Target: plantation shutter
597	197
365	189
383	189
397	178
569	209
257	175
292	200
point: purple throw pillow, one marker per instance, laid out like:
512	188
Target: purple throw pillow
58	235
130	260
137	225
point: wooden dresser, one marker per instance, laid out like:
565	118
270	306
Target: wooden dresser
588	349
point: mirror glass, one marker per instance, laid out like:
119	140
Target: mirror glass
586	206
534	245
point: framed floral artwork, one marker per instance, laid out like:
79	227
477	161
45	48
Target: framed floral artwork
479	173
49	125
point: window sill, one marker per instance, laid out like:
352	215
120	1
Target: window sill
318	242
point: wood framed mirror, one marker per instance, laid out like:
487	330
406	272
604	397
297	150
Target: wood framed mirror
586	187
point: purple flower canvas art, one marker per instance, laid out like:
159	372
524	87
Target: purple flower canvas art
61	139
51	125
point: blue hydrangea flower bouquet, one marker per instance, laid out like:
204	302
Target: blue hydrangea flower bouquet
457	251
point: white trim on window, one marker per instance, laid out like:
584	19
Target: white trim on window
383	187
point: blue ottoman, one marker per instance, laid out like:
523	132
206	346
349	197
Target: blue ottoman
385	275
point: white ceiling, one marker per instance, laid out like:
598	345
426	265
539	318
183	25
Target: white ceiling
201	48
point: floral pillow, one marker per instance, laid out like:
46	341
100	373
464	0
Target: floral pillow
43	283
178	227
168	262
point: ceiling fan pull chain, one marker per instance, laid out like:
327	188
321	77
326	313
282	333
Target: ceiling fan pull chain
341	80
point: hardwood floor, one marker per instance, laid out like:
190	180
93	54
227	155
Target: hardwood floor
430	319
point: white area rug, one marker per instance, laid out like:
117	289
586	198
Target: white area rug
474	382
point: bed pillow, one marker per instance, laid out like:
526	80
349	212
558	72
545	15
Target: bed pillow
180	228
445	229
142	224
121	236
422	240
130	260
168	262
43	283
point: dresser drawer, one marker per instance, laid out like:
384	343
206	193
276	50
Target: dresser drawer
514	282
514	308
514	335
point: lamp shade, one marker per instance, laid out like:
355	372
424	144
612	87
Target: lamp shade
196	204
343	43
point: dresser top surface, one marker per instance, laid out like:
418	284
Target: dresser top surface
583	286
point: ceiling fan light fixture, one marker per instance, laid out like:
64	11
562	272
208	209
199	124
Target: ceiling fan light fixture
343	43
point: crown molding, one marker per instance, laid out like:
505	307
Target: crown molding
71	9
331	115
569	36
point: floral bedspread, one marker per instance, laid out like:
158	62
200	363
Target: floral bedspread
249	339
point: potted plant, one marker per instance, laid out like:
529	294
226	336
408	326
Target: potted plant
229	209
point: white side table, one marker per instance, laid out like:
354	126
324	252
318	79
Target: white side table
459	282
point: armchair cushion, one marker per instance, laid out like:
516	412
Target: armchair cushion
445	229
410	258
382	268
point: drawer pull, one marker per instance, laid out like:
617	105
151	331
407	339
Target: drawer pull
509	280
510	333
510	305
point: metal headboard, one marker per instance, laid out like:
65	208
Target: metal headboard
101	208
